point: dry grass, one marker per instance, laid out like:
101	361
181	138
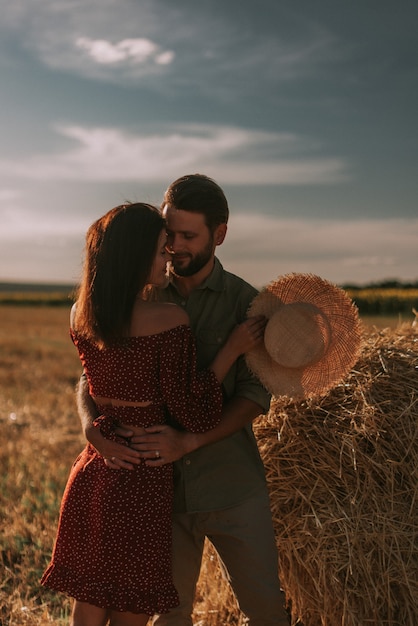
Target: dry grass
342	473
343	478
40	436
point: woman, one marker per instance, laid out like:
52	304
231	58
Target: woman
113	547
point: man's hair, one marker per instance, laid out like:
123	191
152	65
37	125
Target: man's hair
199	194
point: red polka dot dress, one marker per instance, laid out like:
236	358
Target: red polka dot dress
113	544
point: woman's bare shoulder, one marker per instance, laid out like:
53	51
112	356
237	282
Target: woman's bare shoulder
157	317
171	314
72	315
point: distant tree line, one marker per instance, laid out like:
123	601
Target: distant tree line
384	284
388	297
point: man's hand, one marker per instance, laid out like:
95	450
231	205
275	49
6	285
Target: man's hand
162	444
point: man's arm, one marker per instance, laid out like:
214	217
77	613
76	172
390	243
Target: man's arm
173	444
124	456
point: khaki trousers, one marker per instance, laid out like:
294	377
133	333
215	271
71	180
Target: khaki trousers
244	540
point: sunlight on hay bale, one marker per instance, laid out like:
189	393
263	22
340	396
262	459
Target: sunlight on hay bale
343	479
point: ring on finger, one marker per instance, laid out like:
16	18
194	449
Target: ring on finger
157	454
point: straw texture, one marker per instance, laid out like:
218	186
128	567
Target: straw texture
337	338
343	478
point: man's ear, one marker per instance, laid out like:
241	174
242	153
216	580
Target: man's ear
220	234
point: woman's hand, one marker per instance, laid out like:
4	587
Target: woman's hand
247	335
116	455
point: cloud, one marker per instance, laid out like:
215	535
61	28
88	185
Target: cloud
234	155
135	51
214	50
261	247
39	245
25	224
41	259
117	42
8	195
47	246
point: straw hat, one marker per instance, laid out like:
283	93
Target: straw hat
312	337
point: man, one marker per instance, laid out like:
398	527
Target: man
220	487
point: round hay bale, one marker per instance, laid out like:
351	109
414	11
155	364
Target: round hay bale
343	478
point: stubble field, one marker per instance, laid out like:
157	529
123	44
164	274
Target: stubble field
40	437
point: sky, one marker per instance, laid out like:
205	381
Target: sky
304	112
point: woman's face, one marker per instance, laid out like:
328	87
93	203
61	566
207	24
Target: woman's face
159	274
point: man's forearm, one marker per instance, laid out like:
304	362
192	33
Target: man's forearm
173	444
87	409
235	415
116	455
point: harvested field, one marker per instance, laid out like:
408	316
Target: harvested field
342	473
343	479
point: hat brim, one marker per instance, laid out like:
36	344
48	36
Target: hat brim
344	345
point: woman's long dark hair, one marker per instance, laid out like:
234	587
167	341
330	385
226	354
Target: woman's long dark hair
119	254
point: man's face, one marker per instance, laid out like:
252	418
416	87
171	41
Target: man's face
189	241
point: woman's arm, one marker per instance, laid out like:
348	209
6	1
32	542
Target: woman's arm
243	338
125	456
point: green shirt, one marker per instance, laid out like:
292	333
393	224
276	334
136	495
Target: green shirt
225	473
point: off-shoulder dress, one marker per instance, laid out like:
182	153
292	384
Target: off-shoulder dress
113	543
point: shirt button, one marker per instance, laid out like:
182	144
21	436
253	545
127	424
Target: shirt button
219	339
183	303
188	461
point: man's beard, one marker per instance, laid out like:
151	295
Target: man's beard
196	263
